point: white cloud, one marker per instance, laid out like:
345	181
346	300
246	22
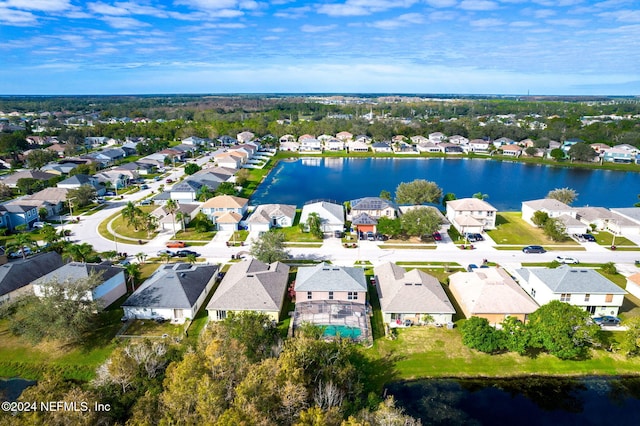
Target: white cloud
107	9
16	17
521	24
574	23
362	7
443	16
293	12
632	16
208	4
558	3
123	23
398	22
441	3
543	13
485	23
478	5
39	5
316	28
271	38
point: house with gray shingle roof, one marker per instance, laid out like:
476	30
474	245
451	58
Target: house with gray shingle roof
331	215
16	277
250	285
267	216
581	287
410	295
325	282
490	293
12	180
471	215
373	206
110	288
174	292
550	206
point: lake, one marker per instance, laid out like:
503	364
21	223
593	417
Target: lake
10	389
507	183
530	401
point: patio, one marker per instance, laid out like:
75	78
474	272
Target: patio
335	314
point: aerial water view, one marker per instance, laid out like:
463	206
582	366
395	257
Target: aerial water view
309	213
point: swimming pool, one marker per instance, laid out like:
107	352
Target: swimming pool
342	331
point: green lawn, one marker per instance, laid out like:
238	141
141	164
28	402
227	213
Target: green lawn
190	234
511	229
149	328
606	239
21	358
437	352
293	234
120	227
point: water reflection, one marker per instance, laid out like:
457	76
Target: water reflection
528	401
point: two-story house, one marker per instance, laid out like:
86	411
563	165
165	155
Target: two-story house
471	215
226	211
581	287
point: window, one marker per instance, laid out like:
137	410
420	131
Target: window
608	298
352	295
587	297
309	295
330	295
565	297
222	315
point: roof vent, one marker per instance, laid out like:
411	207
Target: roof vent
407	284
182	275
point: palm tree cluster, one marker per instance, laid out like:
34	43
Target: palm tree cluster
135	217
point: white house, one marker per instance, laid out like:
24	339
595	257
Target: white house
471	215
553	208
479	145
174	292
226	211
334	144
331	215
267	216
310	145
581	287
111	287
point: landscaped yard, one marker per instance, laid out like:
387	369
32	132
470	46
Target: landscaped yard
150	328
606	239
190	234
512	230
437	352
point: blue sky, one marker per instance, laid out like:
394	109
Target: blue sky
580	47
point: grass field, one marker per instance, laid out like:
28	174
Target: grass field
606	239
420	352
511	229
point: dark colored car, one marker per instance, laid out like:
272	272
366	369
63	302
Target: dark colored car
338	234
185	253
534	249
436	236
474	237
607	320
589	237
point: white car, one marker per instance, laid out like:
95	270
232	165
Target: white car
38	225
567	259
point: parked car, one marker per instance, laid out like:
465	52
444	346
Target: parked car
607	320
371	236
175	244
185	253
146	202
38	225
474	237
18	253
169	181
169	252
124	262
144	186
436	236
157	178
567	259
338	234
589	237
110	193
534	249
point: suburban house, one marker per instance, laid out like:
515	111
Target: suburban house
334	297
581	287
357	146
289	146
250	285
117	179
418	139
107	157
412	296
458	140
633	284
174	292
267	216
511	150
51	198
76	181
437	137
344	136
245	136
325	282
185	213
186	191
16	213
334	145
137	167
58	148
553	208
444	222
331	215
502	142
429	147
381	147
630	213
196	141
479	145
111	287
606	220
471	215
12	180
490	293
229	160
226	211
312	145
16	277
373	206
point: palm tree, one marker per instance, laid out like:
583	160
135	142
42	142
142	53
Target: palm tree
150	223
133	274
191	258
171	207
165	257
204	193
180	216
22	241
131	214
141	257
79	252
